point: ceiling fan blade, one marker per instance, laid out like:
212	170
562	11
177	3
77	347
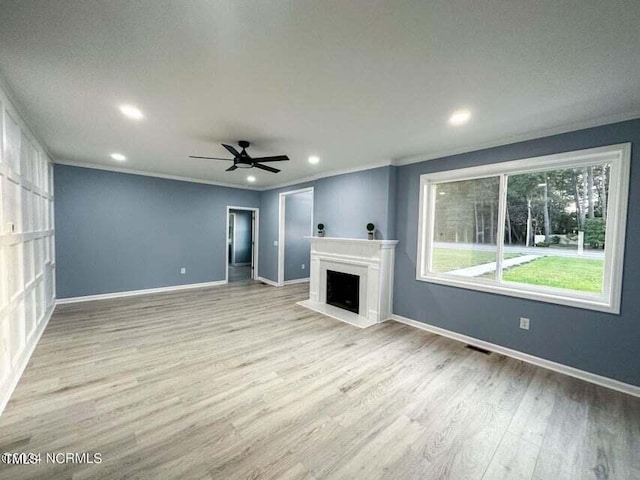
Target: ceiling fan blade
232	150
231	168
213	158
265	167
277	158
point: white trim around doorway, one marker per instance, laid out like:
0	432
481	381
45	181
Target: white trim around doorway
281	231
254	241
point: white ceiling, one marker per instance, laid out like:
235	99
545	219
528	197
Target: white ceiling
355	82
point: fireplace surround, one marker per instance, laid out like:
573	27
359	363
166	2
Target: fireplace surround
370	260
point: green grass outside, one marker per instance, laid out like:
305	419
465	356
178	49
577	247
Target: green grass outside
448	259
581	274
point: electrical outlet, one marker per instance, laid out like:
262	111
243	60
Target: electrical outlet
275	243
303	266
183	271
524	323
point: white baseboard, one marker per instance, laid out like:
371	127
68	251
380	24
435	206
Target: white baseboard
29	348
525	357
245	264
268	282
286	282
297	280
133	293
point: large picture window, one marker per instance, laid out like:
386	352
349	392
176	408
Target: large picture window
547	228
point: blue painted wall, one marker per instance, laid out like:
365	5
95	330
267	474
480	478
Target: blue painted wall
117	232
596	342
243	235
344	203
297	224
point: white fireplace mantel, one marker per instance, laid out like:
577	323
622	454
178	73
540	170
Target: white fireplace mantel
371	260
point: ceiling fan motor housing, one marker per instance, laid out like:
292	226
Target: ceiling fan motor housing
243	163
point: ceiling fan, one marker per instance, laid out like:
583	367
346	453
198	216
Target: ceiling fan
243	160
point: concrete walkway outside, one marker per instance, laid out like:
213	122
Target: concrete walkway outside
546	251
479	270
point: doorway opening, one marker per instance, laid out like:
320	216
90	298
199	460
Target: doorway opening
295	223
241	256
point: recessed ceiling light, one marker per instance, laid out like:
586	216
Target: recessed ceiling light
459	117
251	178
118	156
313	160
131	112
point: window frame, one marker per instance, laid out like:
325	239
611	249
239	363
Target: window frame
618	156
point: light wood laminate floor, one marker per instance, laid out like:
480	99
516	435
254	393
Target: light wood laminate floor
238	382
239	273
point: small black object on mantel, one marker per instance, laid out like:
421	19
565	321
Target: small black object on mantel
321	229
370	227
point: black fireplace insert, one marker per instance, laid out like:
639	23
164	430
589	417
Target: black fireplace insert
343	290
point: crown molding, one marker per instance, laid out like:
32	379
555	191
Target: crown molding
329	173
608	120
549	132
145	173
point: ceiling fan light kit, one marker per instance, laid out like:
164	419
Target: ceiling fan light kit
243	160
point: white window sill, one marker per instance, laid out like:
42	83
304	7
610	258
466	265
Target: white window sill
587	301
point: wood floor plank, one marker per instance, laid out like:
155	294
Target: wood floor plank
238	382
564	445
515	459
607	453
532	417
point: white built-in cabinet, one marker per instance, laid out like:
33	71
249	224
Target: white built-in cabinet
27	259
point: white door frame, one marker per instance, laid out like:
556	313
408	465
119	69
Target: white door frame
233	238
281	232
254	242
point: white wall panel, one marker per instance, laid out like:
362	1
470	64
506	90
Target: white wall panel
27	211
17	337
12	137
39	256
30	312
29	265
46	215
12	202
27	257
47	173
49	284
40	301
50	185
5	357
2	228
4	289
15	278
26	153
2	134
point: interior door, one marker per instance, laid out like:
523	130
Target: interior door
232	226
253	244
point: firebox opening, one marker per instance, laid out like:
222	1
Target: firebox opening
343	291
